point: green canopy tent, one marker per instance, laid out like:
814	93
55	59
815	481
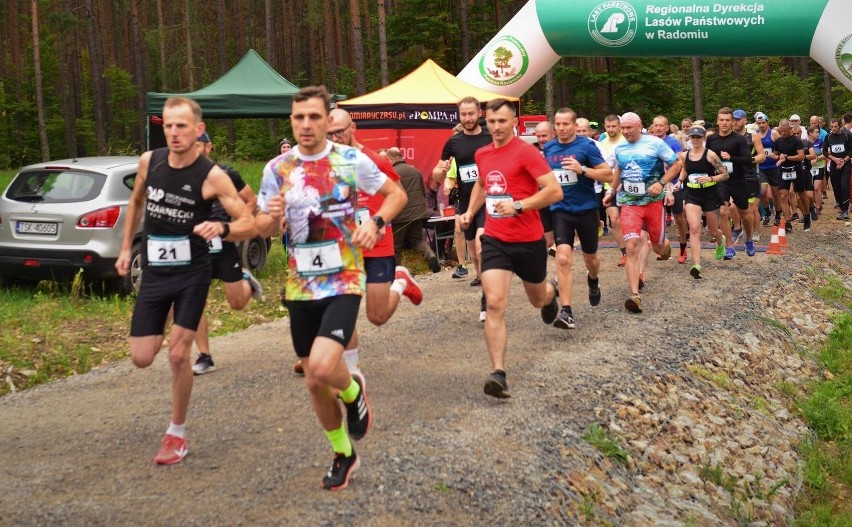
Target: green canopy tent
252	88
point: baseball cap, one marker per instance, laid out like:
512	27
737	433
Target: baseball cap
203	138
795	117
760	116
740	114
697	130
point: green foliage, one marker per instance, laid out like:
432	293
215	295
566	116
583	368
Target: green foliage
601	439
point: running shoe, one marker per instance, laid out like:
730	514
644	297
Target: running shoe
735	235
358	414
172	450
460	272
720	248
843	215
766	220
666	255
730	253
594	291
256	287
475	282
298	368
777	221
622	261
549	312
695	272
203	364
641	281
794	217
482	308
788	226
681	257
412	290
807	223
434	264
814	214
552	251
755	237
482	316
341	468
496	385
633	304
749	247
565	320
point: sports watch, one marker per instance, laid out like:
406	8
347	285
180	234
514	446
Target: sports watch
519	207
379	221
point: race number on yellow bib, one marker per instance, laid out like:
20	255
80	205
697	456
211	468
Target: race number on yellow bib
318	258
168	250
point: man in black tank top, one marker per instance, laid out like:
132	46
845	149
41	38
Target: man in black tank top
174	188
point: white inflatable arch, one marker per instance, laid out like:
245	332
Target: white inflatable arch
545	30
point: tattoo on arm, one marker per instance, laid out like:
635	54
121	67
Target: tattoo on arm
720	168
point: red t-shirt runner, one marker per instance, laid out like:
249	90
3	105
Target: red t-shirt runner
509	173
383	247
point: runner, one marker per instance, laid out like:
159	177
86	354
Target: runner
583	128
702	171
577	163
660	128
839	149
310	192
240	284
612	138
735	154
641	183
769	173
788	155
750	171
817	160
515	183
175	187
462	147
544	133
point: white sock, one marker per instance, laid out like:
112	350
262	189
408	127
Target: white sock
177	430
398	286
351	358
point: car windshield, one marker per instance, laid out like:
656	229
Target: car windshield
52	186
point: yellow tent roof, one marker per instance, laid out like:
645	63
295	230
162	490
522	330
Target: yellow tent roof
428	84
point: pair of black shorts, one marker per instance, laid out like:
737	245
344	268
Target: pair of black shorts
773	176
478	222
528	260
582	224
708	198
159	291
546	218
802	183
333	317
736	189
225	265
677	206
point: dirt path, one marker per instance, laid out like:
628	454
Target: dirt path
78	452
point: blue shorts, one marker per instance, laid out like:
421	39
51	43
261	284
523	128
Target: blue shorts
380	269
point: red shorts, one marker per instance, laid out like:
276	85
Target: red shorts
652	216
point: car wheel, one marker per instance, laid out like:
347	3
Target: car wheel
253	253
130	283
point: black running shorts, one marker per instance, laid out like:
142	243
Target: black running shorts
187	291
584	224
528	260
332	317
707	198
225	265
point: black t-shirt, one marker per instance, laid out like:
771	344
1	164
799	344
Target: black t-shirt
218	212
737	147
837	145
789	146
463	147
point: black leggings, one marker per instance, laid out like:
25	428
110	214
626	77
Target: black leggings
840	184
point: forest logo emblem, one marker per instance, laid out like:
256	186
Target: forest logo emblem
843	56
504	62
613	24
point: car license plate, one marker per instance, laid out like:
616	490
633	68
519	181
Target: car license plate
36	227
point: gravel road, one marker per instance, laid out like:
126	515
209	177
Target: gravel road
78	451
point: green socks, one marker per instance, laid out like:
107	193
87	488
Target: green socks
349	394
339	440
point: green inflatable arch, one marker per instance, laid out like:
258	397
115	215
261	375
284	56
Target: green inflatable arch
545	30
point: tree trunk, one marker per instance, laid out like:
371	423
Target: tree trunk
549	101
330	60
829	103
463	27
696	88
357	48
161	44
190	66
139	70
42	126
96	74
383	45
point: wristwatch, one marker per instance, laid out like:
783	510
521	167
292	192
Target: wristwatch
583	168
519	207
379	221
226	229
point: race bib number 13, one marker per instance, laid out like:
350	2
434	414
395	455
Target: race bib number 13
468	173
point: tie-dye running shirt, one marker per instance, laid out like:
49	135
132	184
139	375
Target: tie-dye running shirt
641	165
320	194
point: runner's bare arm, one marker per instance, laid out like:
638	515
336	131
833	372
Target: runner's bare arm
135	207
272	222
219	185
366	235
477	200
609	195
759	152
721	171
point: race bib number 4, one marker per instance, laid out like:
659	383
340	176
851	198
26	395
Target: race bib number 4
636	188
215	245
468	173
788	175
566	177
492	200
168	251
321	258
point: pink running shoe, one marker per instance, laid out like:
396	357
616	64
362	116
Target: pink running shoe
412	290
172	450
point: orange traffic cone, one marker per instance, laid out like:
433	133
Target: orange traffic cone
782	233
774	243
